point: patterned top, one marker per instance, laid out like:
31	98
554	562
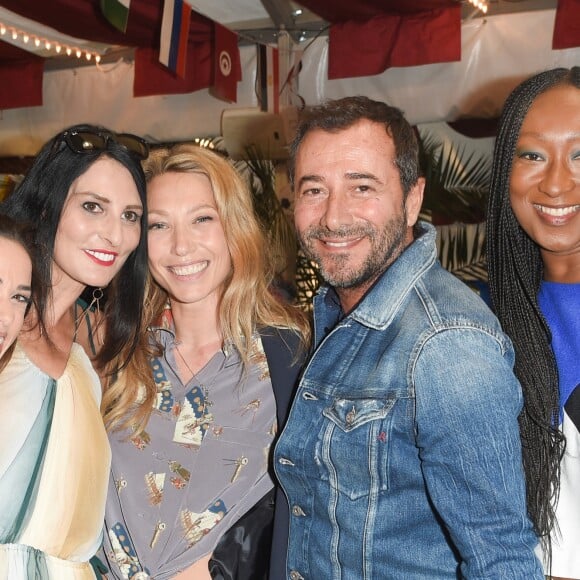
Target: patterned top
54	463
198	467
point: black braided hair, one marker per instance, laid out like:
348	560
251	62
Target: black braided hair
515	272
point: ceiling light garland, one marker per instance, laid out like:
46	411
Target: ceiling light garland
40	42
480	5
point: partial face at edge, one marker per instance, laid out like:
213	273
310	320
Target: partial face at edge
15	280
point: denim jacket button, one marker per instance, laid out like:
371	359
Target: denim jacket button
296	575
297	511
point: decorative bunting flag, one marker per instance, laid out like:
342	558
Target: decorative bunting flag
269	78
358	49
213	61
23	75
175	35
567	25
226	64
116	12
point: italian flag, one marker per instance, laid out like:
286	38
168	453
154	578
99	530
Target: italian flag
116	12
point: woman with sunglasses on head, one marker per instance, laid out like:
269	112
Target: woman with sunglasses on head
534	271
190	461
85	195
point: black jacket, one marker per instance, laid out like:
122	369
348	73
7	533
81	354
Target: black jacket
254	548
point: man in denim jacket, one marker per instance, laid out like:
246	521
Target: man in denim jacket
401	457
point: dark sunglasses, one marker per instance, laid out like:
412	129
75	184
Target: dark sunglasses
90	141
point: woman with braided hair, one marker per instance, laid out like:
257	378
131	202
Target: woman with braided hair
533	233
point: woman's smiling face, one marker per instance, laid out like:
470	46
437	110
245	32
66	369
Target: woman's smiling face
188	251
545	176
99	227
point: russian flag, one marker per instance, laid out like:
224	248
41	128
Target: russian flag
174	35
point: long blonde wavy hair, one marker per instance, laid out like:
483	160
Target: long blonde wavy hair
246	304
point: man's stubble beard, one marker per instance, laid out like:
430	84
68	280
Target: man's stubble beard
384	250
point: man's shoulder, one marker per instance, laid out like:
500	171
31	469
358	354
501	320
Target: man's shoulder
440	291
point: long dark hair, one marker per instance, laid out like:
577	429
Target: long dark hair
515	272
40	198
23	235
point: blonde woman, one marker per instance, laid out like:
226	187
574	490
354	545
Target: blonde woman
190	460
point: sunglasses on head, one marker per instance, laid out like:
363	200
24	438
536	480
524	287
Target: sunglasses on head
88	141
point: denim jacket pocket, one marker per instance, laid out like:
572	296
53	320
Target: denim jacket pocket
356	434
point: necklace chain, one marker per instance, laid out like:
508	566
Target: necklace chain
193	375
205	388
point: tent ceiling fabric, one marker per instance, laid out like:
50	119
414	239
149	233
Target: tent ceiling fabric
343	10
83	18
68	93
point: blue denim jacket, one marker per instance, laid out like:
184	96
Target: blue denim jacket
401	457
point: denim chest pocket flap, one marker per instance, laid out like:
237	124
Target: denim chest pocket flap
349	414
352	451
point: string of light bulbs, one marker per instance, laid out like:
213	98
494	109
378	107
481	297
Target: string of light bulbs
479	4
52	45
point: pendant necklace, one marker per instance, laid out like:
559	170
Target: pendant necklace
204	388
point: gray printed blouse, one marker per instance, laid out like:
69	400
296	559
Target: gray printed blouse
198	467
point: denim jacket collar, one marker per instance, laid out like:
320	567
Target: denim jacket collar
381	303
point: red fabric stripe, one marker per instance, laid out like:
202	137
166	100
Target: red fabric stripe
183	39
276	81
567	25
152	78
361	10
369	48
20	78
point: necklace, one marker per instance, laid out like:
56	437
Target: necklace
204	388
193	375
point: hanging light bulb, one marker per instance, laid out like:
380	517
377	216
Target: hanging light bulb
28	37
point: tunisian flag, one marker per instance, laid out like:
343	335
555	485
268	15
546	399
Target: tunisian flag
227	70
358	49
